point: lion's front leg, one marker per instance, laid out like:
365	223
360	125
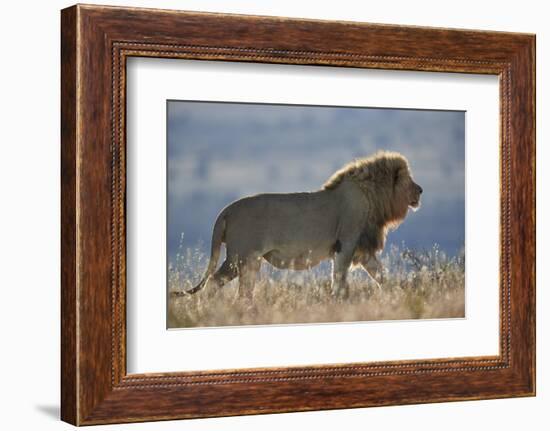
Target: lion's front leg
375	269
340	266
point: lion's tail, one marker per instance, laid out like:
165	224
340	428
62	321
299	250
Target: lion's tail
217	239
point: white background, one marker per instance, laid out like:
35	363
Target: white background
151	348
29	212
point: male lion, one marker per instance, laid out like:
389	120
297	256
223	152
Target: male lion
346	221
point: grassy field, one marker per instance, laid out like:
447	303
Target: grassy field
419	284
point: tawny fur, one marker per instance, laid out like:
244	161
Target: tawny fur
346	221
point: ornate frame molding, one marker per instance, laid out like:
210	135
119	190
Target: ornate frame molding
96	41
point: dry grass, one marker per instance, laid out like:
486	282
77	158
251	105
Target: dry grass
419	285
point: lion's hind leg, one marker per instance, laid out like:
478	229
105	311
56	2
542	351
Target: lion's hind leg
248	272
225	273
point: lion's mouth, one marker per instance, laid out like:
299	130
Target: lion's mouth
415	204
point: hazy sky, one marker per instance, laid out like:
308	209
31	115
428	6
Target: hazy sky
220	152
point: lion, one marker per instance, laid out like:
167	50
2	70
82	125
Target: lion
347	220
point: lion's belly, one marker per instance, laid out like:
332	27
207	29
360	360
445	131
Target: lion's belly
294	260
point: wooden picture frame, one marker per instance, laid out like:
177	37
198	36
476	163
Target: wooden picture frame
95	43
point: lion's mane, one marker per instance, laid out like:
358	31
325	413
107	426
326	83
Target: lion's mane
382	178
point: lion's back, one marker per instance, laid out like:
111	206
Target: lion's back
278	205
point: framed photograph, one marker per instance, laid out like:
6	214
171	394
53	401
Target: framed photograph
264	214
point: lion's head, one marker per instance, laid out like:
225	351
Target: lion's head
405	189
387	182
